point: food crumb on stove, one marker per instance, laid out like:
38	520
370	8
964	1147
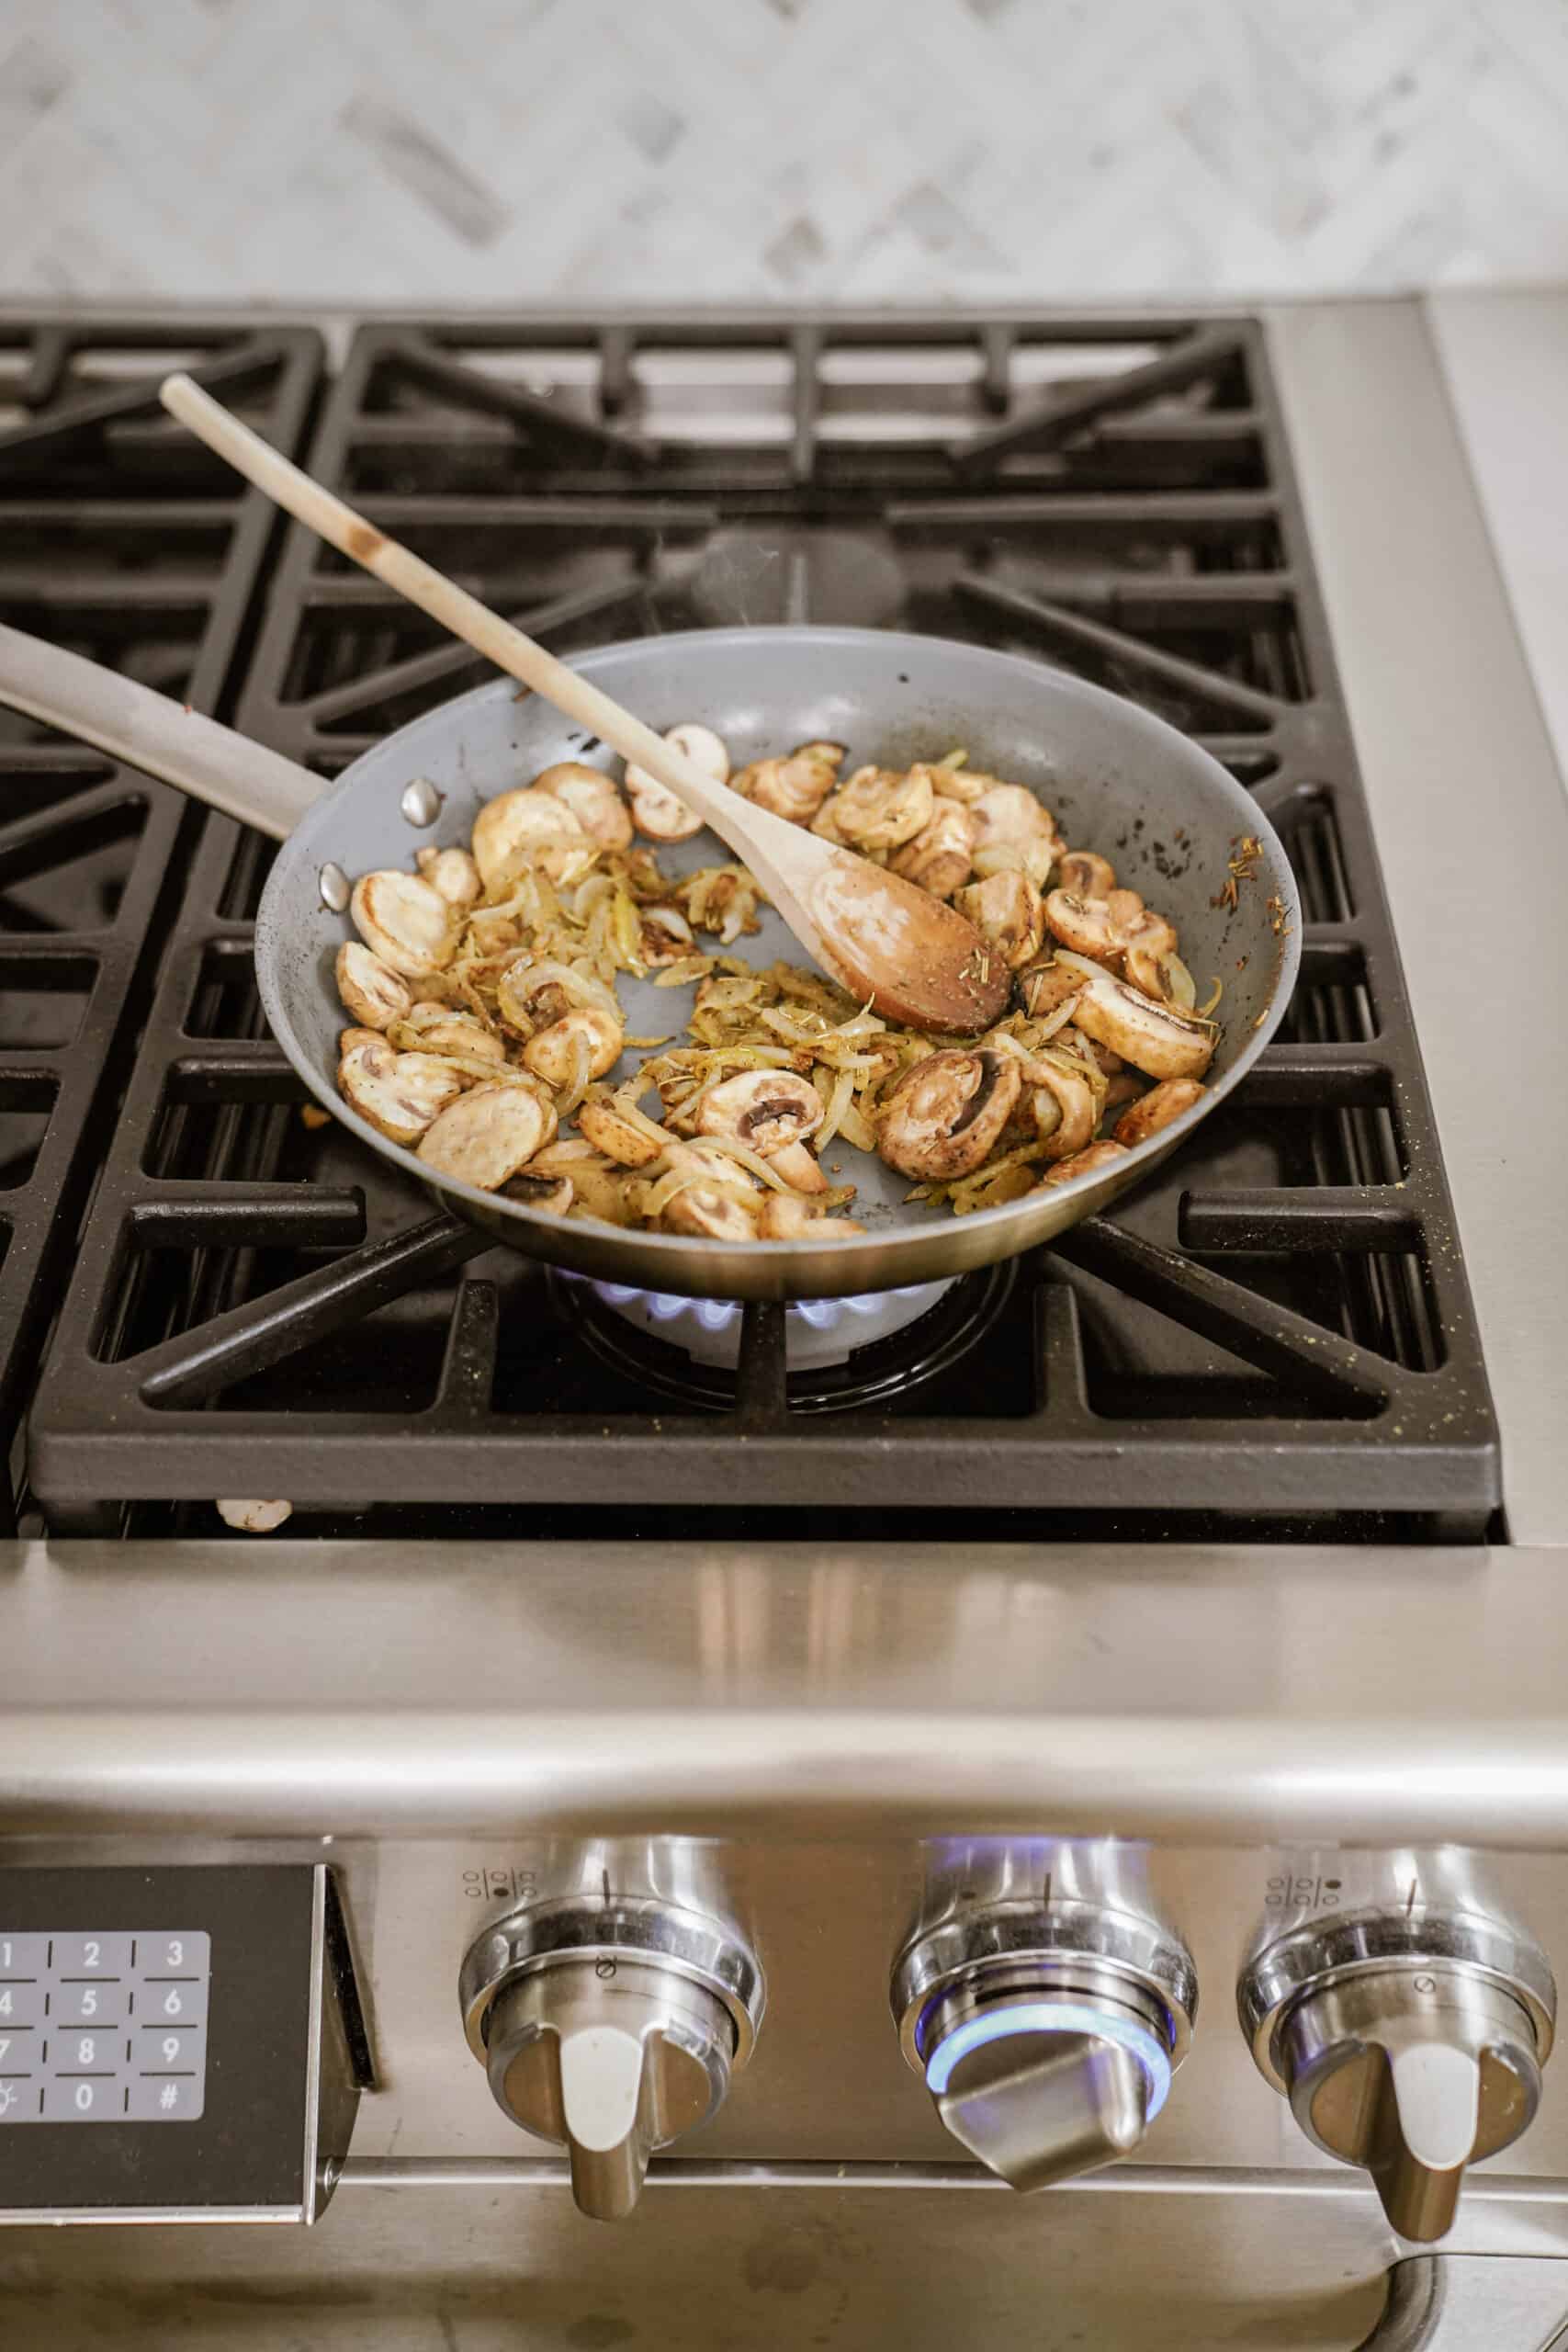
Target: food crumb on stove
312	1115
255	1517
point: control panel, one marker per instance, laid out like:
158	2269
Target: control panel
174	2043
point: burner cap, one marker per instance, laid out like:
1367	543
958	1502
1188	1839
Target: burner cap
784	572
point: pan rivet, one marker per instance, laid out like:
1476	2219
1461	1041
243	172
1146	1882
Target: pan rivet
421	803
334	886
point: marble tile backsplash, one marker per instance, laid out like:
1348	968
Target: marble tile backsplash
504	151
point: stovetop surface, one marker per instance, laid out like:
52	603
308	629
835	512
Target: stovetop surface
1274	1336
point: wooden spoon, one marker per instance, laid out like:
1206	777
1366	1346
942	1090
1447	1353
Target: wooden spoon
880	937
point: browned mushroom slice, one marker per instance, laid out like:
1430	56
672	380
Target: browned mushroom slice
1064	1102
1085	1163
452	872
404	922
1158	1109
656	810
666	938
1086	874
523	829
1008	911
710	1210
1110	928
945	1113
431	1028
620	1131
556	1054
592	799
1044	987
1155	1039
1007	815
794	789
960	783
553	1194
488	1135
939	855
531	992
400	1094
763	1109
370	989
799	1166
879	808
1161	974
782	1217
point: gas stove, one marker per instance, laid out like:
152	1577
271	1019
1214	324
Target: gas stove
1276	1333
1048	1653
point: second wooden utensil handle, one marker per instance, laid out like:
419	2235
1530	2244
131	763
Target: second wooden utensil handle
507	646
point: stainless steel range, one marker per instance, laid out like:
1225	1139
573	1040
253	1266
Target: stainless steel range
1096	1731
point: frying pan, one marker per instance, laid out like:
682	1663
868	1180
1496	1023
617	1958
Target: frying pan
1117	779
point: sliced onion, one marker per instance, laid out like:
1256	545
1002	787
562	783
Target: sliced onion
1057	1020
734	1150
581	1062
838	1100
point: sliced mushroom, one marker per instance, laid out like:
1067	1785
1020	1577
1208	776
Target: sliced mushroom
370	989
620	1131
1086	874
255	1517
940	856
1010	814
710	1210
1157	1108
452	872
592	799
488	1135
782	1217
404	922
795	787
400	1094
945	1113
1008	911
964	785
554	1054
1153	1037
531	993
1110	928
442	1029
666	937
879	808
799	1166
553	1194
1044	987
1064	1102
825	825
1161	973
764	1109
523	829
347	1039
1084	1163
656	810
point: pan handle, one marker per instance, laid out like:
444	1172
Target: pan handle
162	738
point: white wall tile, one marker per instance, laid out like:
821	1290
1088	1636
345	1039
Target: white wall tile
520	151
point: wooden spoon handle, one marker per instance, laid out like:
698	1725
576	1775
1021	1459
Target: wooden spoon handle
498	640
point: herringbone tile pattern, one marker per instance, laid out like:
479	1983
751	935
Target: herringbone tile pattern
369	152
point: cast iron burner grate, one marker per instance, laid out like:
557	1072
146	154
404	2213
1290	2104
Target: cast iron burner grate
1274	1333
121	538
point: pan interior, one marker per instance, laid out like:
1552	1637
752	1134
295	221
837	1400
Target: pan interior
1117	779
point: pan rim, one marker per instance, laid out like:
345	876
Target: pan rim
891	1248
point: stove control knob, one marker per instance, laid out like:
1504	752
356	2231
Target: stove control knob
1409	2044
609	2027
1047	2037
